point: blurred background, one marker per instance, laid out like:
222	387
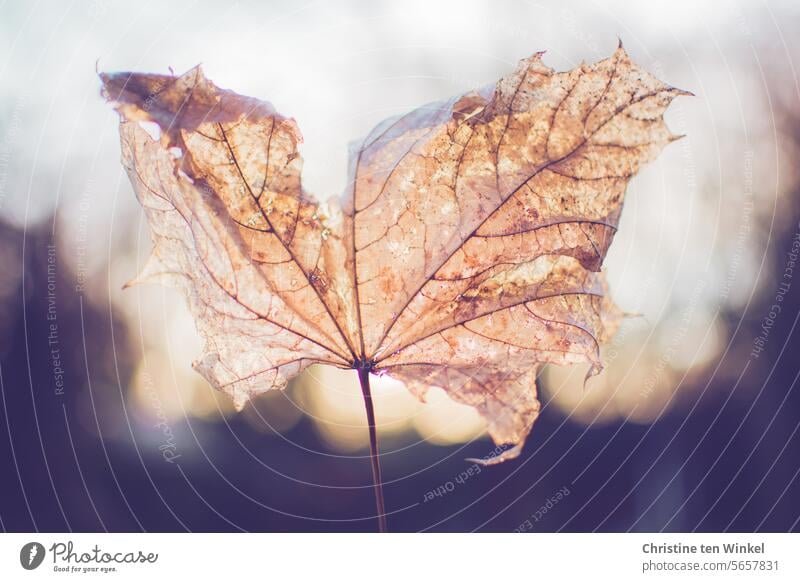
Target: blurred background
693	425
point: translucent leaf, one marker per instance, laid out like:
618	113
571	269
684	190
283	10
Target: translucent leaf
465	254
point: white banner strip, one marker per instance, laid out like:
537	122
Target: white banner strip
380	558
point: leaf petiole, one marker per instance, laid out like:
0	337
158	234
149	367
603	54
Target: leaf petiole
363	378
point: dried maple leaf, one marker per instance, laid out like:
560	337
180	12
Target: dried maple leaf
465	254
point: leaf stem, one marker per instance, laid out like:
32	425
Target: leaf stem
363	378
